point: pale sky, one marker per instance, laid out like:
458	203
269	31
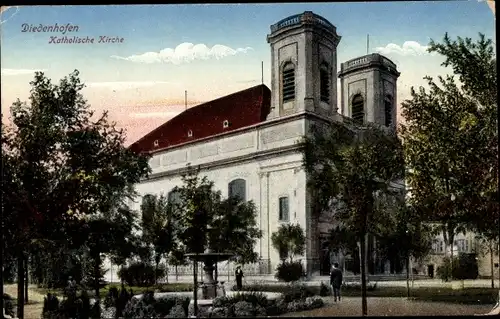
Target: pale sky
209	50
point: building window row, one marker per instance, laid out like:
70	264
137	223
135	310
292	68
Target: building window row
237	189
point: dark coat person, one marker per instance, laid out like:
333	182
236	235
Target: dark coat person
336	281
239	277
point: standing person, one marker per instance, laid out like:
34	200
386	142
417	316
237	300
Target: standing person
336	281
239	277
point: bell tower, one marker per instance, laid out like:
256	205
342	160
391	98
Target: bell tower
303	66
368	87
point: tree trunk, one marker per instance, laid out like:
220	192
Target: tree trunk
1	262
364	304
166	273
176	274
97	264
408	295
451	237
20	285
195	290
26	281
216	272
156	271
492	266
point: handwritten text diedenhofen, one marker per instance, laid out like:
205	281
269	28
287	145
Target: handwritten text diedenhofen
68	27
66	39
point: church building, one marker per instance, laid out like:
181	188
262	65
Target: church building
247	142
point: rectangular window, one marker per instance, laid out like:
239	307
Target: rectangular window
283	209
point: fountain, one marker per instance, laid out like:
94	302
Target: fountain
209	258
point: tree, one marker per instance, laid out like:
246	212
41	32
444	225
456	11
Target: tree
343	240
353	165
205	220
405	234
289	240
60	164
451	140
157	226
236	220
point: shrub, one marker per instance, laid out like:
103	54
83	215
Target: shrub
289	271
138	308
297	292
244	309
117	299
165	305
324	290
255	298
72	307
465	267
177	312
141	274
8	304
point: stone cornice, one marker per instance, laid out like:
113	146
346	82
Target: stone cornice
229	161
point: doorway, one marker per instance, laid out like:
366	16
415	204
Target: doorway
430	271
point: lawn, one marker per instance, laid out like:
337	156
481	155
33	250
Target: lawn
171	287
478	296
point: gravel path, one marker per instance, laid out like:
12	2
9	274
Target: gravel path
351	306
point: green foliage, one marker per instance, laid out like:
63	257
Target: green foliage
298	292
463	267
141	274
158	226
289	271
404	234
8	304
289	240
349	168
324	290
72	306
59	164
150	307
451	140
204	218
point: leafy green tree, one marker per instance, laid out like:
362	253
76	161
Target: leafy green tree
353	165
405	233
289	240
238	221
157	226
206	220
60	164
451	140
342	239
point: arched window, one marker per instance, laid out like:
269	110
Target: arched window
288	78
237	188
358	109
324	82
388	110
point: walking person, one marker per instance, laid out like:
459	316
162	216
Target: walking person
239	277
336	281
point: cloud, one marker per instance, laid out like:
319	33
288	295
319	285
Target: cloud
167	114
184	53
4	9
408	48
120	86
7	72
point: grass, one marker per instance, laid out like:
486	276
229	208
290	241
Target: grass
173	287
467	295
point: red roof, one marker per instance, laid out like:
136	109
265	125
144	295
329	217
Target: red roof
240	109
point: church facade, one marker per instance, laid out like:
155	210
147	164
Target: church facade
248	143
